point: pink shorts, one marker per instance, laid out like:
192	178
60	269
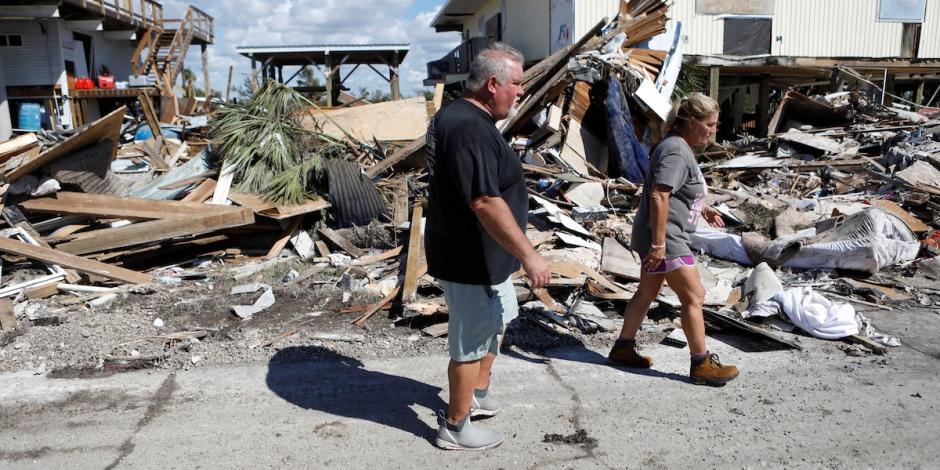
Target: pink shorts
670	264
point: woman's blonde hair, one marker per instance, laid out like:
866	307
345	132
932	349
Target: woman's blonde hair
692	106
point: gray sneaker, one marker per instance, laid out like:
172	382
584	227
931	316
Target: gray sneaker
465	436
483	407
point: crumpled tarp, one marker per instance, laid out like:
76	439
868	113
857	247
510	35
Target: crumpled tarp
811	312
628	157
867	242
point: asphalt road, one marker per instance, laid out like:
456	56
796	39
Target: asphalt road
796	409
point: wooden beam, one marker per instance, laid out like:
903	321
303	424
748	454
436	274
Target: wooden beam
341	242
714	72
48	255
17	146
155	230
763	105
376	307
71	276
724	320
202	192
285	237
108	127
367	260
415	251
103	206
402	153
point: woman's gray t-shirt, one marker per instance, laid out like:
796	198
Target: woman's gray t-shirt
672	164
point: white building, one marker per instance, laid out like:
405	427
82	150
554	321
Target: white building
45	46
782	42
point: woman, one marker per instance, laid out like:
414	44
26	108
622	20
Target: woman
673	195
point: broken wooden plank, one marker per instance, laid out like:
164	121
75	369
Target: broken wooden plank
103	206
402	153
342	242
322	248
43	291
71	276
550	303
202	192
377	306
367	260
67	260
725	320
108	127
619	261
17	146
400	201
415	249
286	212
154	155
284	238
223	185
876	348
155	230
436	330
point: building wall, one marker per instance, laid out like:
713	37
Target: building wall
527	28
930	31
115	54
814	28
39	60
588	12
833	28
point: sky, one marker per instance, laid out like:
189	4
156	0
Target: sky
301	22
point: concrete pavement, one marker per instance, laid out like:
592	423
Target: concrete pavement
809	409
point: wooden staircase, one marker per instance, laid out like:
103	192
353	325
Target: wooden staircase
161	52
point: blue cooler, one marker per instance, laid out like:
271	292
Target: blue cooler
30	117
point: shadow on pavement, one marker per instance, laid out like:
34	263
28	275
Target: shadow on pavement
315	378
570	348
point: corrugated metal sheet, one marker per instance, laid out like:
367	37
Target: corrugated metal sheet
930	32
833	28
588	12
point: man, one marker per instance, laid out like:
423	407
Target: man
475	237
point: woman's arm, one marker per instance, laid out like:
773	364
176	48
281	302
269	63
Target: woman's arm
659	214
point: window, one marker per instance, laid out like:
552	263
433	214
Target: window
11	40
747	36
902	11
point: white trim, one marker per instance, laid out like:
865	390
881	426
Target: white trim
325	48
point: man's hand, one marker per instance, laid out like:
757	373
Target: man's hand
537	270
713	217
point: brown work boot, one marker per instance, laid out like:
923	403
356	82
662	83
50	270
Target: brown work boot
624	354
711	372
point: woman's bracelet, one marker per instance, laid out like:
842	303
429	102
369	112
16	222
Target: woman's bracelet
657	246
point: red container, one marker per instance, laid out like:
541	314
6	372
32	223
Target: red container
84	83
106	81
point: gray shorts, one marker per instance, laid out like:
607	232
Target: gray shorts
478	316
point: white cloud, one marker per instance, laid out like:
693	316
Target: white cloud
300	22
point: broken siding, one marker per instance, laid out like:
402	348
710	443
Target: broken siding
833	28
39	60
930	32
588	12
528	28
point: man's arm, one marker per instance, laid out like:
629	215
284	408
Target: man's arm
497	219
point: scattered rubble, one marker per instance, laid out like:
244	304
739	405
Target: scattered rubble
129	252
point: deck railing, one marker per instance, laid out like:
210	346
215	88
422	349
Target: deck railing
147	14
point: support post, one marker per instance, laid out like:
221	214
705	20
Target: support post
280	74
763	105
393	78
329	81
713	74
205	72
254	74
919	95
6	124
228	86
889	89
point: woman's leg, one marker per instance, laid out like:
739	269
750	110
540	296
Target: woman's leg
639	305
687	285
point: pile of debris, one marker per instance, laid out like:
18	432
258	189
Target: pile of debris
277	195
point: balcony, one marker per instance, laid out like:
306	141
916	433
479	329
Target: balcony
455	66
145	14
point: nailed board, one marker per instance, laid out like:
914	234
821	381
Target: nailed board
108	127
77	263
156	230
402	120
112	207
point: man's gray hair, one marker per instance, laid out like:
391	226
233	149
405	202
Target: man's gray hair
493	61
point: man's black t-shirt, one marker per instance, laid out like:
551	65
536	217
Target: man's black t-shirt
468	158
